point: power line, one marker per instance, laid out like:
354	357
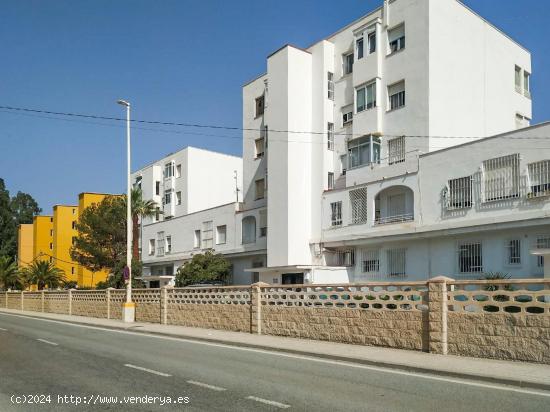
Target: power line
219	127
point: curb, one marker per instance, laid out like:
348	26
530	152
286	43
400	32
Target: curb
387	365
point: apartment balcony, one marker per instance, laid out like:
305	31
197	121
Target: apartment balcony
388	220
394	205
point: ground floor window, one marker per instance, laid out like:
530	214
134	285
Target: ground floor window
470	258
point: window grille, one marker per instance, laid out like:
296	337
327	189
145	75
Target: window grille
345	257
514	252
543	242
160	244
396	262
358	202
370	261
539	178
501	178
470	257
336	213
459	193
207	235
330	85
396	150
330	136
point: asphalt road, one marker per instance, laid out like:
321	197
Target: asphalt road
40	357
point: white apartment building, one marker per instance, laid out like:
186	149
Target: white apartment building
387	150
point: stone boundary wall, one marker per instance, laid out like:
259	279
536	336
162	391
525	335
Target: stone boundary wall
499	319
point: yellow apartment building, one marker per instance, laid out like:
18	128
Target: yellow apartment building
43	238
65	218
25	252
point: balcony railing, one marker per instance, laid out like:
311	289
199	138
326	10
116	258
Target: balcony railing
387	220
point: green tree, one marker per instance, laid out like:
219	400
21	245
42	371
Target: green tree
140	209
43	273
24	208
204	268
8	230
9	275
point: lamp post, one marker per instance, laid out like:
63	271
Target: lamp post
129	308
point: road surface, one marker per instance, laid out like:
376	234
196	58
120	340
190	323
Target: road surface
103	369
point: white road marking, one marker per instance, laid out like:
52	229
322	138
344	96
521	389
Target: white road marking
501	387
48	342
268	402
205	385
146	370
5	330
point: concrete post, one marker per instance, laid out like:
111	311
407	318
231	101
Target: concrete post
70	301
42	300
164	305
22	300
256	307
108	298
437	305
6	299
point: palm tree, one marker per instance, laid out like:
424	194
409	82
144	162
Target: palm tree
9	274
43	273
140	209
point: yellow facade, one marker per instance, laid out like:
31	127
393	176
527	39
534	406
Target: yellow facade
25	242
64	221
43	238
87	278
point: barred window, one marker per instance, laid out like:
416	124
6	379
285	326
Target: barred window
539	178
501	178
514	252
358	202
543	242
396	150
336	213
470	258
370	261
459	193
396	262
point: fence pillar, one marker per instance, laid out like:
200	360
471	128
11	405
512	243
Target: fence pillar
164	305
437	305
70	301
42	300
6	299
22	300
256	307
108	297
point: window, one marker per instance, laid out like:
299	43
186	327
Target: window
168	197
168	244
168	170
348	63
178	198
543	242
221	234
73	225
51	246
51	232
501	178
396	39
518	79
372	42
330	136
260	103
74	211
207	235
137	184
539	178
522	121
157	188
358	202
343	164
396	262
396	94
260	147
160	244
527	84
345	257
178	171
470	257
513	252
197	239
396	150
370	261
459	193
336	213
359	47
347	117
363	151
73	240
157	214
330	181
330	85
260	189
366	97
72	270
263	223
249	230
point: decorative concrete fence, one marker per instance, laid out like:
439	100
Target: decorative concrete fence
502	319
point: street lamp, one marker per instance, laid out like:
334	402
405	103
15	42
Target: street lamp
129	307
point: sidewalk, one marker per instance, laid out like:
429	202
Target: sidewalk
528	375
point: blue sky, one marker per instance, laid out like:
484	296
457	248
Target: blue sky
174	60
